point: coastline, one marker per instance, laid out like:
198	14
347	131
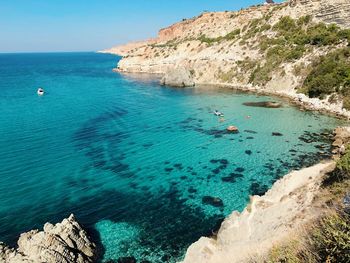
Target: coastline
230	211
266	220
281	211
298	99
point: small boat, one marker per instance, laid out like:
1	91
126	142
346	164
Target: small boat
40	91
218	113
232	128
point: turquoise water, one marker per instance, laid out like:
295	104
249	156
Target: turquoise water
137	163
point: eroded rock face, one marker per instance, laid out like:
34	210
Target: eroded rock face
64	242
178	77
267	220
341	138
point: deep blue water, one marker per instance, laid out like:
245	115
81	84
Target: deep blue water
134	161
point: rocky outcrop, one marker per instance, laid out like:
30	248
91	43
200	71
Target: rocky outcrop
341	139
123	50
64	242
266	221
178	77
334	11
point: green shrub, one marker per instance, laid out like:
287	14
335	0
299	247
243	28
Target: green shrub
265	27
339	178
227	76
331	239
208	40
304	20
247	64
230	36
330	74
285	24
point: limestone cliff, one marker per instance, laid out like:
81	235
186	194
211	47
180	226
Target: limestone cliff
234	48
64	242
269	219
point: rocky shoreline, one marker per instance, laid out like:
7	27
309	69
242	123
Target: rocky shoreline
228	49
271	218
301	100
266	221
65	242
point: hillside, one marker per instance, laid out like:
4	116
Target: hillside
277	48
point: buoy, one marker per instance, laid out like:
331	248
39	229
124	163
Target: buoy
232	128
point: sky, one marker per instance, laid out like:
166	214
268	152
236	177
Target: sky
90	25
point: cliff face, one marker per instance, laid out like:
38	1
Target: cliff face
226	47
248	237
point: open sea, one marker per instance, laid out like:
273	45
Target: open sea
146	169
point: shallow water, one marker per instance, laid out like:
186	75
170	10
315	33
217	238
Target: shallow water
137	163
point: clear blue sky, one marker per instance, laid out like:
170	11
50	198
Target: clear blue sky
88	25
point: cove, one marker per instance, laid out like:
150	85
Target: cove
147	169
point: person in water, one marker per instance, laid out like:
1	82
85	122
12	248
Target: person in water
40	91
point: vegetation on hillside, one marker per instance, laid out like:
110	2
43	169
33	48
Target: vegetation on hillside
287	41
293	38
230	36
330	74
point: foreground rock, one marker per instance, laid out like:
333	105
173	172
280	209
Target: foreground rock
64	242
266	221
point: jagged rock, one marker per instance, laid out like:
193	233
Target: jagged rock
64	242
267	221
341	138
178	77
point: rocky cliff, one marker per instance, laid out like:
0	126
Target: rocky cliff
251	48
65	242
268	220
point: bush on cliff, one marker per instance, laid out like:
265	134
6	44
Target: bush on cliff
327	240
293	38
330	74
331	238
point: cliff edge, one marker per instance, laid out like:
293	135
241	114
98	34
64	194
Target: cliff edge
266	221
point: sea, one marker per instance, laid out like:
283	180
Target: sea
146	169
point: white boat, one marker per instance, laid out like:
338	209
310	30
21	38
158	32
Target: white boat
218	113
40	91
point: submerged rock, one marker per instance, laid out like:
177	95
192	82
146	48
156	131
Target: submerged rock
127	260
278	134
64	242
263	104
213	201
